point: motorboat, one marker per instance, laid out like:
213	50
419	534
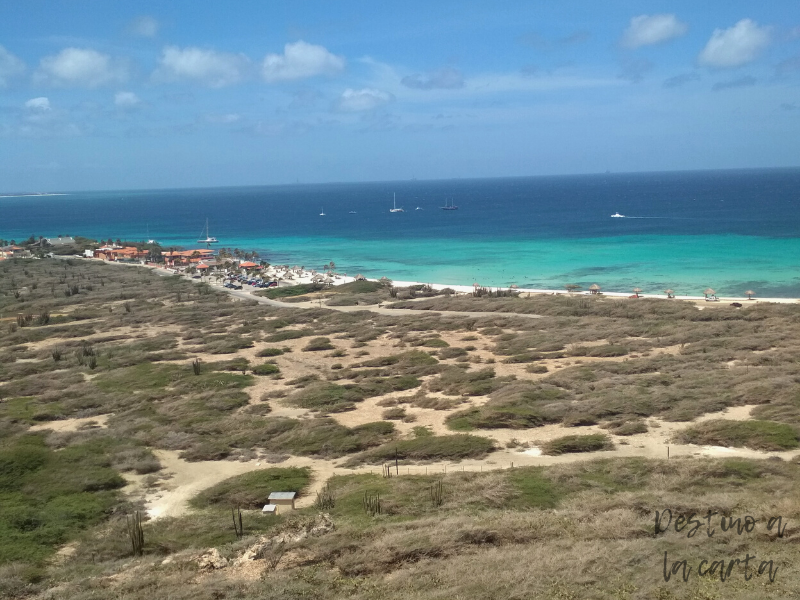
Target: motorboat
616	215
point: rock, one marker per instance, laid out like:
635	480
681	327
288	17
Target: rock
212	559
321	525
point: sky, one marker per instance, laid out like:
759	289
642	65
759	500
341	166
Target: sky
102	94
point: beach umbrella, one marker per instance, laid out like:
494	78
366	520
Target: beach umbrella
749	294
514	286
637	291
669	293
708	292
594	288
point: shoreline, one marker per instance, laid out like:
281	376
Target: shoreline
299	276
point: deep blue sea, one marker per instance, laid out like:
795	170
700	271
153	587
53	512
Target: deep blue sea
730	230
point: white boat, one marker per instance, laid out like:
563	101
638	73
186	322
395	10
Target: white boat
209	239
322	214
618	216
352	212
394	205
450	206
418	208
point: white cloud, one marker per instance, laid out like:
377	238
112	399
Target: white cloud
40	104
646	30
80	67
209	67
144	26
10	66
301	60
447	78
735	46
361	100
126	100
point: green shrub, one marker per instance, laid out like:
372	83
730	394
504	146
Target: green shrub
265	352
318	344
577	443
758	435
444	447
266	369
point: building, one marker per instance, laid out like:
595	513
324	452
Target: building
283	500
187	257
269	509
129	254
13	252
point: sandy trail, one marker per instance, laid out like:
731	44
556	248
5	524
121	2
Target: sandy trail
190	478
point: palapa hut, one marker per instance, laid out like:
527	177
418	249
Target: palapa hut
594	289
749	294
669	293
637	291
708	292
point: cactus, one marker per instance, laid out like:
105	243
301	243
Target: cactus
387	471
372	503
237	526
437	495
325	498
43	318
136	533
56	353
196	366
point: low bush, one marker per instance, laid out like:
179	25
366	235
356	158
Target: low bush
266	369
318	344
758	435
265	352
444	447
577	443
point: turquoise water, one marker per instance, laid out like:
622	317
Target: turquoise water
729	230
731	264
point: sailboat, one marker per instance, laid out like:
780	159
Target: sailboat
322	214
450	206
209	239
394	205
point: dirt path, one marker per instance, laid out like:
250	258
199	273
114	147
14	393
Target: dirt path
187	479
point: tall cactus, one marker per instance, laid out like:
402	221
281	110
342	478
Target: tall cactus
237	526
372	503
437	494
136	533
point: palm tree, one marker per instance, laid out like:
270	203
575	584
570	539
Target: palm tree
749	294
637	291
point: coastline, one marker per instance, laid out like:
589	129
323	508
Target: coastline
300	276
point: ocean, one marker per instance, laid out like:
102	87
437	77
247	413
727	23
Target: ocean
729	230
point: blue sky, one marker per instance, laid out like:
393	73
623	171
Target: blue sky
114	95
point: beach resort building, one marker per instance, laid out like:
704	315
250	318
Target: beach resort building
128	254
187	257
13	252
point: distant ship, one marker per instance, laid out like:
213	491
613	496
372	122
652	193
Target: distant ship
450	206
352	212
394	205
618	216
418	208
208	239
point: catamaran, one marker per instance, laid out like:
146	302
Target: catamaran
394	205
450	206
209	239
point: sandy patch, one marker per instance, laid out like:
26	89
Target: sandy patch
100	422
